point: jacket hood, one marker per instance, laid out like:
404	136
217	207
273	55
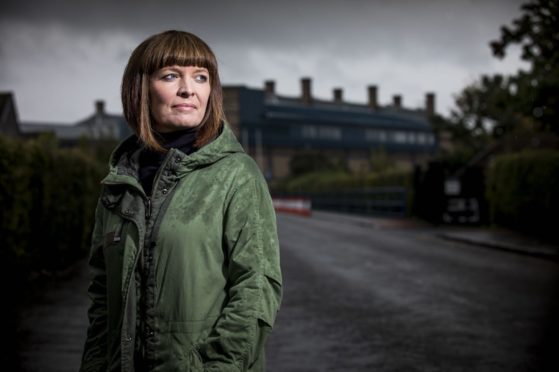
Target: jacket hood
124	161
223	145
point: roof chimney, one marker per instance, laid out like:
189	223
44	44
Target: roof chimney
430	104
373	103
270	88
338	95
100	107
397	101
306	96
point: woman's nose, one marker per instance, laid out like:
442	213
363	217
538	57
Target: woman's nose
185	89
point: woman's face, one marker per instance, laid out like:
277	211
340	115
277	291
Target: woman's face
179	97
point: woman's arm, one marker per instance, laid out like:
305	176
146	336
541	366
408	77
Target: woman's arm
237	341
95	351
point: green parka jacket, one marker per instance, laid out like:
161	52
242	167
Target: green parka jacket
190	273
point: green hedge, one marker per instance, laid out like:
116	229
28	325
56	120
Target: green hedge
341	181
523	191
47	201
336	181
48	197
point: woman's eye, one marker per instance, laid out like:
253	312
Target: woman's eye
170	77
202	78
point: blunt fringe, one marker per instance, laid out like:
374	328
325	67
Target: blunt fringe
167	49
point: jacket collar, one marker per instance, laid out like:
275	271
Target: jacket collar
124	161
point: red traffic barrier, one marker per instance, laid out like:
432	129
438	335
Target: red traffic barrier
294	205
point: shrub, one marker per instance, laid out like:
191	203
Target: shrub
16	201
354	193
312	162
523	191
341	180
48	197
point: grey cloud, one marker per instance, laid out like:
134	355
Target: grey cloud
398	44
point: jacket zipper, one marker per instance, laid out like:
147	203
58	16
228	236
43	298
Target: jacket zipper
148	208
146	262
143	278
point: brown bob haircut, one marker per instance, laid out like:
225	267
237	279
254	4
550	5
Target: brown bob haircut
167	49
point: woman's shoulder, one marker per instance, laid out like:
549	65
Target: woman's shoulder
243	166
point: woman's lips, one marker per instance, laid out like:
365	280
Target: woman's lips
184	107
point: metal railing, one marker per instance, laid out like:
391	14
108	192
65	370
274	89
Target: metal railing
381	201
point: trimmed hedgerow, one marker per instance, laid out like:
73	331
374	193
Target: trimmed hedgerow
47	201
341	180
48	196
350	192
523	191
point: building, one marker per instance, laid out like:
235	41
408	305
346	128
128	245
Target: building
9	125
99	126
273	128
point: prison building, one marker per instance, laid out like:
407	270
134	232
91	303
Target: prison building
273	128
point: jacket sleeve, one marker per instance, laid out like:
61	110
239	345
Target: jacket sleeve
95	351
237	341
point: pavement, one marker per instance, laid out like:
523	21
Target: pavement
502	239
488	237
52	329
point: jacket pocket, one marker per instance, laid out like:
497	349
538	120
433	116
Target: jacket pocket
183	338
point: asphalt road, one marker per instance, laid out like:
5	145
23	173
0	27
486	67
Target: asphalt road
399	299
53	330
358	298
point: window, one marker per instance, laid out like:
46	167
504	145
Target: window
375	135
430	139
399	137
309	131
411	137
312	131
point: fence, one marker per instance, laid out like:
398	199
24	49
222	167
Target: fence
381	201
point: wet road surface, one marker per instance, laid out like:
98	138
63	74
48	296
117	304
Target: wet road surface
400	299
53	330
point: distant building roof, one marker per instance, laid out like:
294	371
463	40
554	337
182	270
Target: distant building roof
264	118
61	131
100	125
328	112
8	115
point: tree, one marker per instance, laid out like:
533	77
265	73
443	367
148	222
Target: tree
488	107
536	31
498	104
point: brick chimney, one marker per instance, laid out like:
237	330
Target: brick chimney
373	103
270	88
397	101
100	107
338	95
306	95
430	104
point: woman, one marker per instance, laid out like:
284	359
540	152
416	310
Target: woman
184	259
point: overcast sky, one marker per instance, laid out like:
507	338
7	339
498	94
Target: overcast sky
59	56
